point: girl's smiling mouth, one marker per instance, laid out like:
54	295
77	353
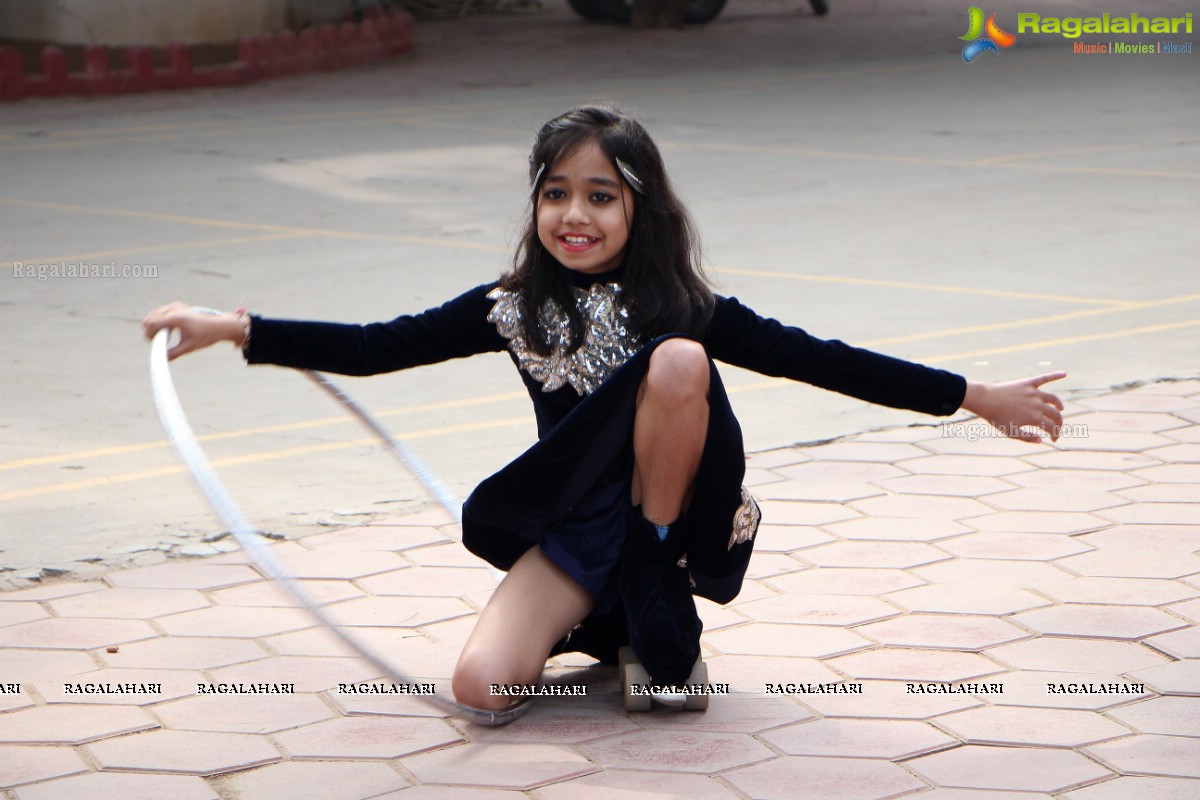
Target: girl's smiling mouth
576	242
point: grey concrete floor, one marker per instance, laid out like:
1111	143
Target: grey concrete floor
1024	213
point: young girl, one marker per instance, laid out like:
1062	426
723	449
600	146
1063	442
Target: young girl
631	501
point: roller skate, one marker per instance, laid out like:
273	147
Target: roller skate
640	693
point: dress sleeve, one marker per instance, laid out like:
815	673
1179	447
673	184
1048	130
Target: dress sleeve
741	337
456	329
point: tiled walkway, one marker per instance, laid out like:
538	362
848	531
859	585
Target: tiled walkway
999	578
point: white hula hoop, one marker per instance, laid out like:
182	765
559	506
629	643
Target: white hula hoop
175	423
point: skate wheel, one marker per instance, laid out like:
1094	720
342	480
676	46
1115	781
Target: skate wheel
633	674
699	677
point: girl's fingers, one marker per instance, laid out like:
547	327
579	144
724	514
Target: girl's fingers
1049	376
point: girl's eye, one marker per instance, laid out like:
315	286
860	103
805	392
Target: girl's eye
601	198
554	194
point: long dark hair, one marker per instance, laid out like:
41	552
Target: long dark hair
664	284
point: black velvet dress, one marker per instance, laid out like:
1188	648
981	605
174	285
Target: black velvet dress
570	492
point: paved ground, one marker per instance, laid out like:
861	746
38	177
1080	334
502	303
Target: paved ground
1027	212
1018	576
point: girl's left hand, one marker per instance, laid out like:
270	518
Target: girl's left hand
1018	409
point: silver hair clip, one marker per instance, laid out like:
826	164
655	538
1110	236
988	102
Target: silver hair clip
538	176
630	176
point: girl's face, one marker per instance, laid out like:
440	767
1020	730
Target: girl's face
584	211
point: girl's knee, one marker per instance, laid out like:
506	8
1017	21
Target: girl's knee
475	680
679	366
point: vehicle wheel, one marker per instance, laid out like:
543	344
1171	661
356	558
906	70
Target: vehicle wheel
699	12
596	10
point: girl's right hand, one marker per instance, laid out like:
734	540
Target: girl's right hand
197	329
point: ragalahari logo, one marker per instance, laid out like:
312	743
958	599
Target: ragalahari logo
977	43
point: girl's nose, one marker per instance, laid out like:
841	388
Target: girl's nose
575	212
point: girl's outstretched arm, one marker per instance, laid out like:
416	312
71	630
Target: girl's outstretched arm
1018	409
197	328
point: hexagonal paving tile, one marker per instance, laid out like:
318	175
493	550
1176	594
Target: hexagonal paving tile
1030	726
826	778
107	686
1170	716
789	512
71	724
13	613
183	575
1154	513
1019	546
1179	677
307	674
1141	788
966	599
1180	644
343	564
1034	689
512	766
368	738
1140	563
183	752
1069	522
677	751
803	641
430	581
548	723
309	780
1121	591
377	537
881	452
404	612
236	622
1136	538
847	580
117	786
1075	479
45	664
956	465
243	713
744	712
22	764
1151	754
615	784
818	609
888	700
915	665
1095	460
272	594
50	591
870	554
921	507
994	573
1057	499
1076	655
749	674
74	634
890	739
898	529
951	485
1100	622
129	603
1024	769
184	653
943	632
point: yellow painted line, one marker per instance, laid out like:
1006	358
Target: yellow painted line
267	455
166	246
81	455
1080	151
257	226
925	287
1045	343
1024	323
807	152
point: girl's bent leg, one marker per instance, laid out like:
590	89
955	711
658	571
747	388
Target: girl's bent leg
534	607
670	428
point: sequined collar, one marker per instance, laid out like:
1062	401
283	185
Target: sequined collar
608	341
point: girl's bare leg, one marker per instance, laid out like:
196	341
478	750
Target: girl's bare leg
533	608
670	428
